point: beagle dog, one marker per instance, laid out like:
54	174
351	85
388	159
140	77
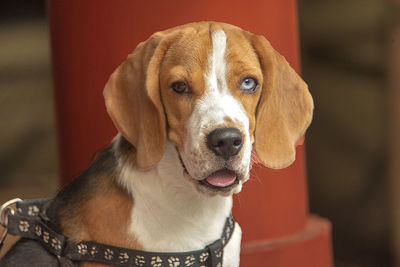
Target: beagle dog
190	104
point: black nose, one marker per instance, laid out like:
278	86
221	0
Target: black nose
225	142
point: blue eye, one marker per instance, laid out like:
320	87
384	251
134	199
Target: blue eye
249	85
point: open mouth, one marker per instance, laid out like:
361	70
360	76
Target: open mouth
220	180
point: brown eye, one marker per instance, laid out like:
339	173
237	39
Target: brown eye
180	87
249	85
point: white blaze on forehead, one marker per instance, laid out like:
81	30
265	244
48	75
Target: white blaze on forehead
216	77
218	101
217	108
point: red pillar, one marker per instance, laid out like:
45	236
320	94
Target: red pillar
90	38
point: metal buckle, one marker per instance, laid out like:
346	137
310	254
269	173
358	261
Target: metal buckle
6	210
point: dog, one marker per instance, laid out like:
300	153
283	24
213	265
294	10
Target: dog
190	104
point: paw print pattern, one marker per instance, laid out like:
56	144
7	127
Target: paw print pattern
189	260
33	210
204	256
94	251
108	254
55	243
38	230
139	260
223	240
46	237
123	257
156	261
82	249
227	232
231	222
23	226
173	262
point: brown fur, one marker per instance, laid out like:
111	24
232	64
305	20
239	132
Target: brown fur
94	206
113	211
279	112
187	65
285	109
104	215
243	62
145	110
133	101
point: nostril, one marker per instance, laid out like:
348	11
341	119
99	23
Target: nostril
237	142
220	143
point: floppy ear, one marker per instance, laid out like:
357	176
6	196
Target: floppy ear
133	101
284	111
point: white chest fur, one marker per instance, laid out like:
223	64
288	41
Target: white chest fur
170	215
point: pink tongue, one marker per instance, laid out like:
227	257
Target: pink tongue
221	178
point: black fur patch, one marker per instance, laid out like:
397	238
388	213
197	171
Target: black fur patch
83	187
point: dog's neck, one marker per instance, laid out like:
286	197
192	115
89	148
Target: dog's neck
169	213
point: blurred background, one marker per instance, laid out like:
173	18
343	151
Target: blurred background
351	61
346	58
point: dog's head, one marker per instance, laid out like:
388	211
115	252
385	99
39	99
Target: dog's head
214	91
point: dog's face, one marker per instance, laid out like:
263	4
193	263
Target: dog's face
210	93
213	90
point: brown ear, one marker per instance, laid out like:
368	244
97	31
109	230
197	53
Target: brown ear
284	111
133	102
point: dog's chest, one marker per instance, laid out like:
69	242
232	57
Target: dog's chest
170	215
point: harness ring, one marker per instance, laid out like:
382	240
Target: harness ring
5	209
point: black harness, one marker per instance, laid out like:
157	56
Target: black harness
30	221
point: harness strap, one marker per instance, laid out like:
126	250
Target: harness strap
30	221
